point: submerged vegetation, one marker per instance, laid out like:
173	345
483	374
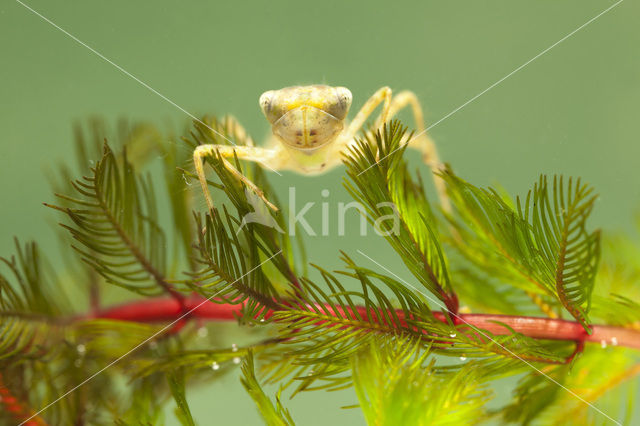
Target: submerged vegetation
500	287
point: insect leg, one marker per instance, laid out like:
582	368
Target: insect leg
421	140
250	153
382	95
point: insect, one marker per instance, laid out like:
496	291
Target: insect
310	130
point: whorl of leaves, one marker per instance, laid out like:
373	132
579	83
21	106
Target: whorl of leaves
380	181
28	323
386	378
544	241
361	328
114	220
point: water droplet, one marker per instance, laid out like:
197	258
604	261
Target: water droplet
452	335
614	341
203	332
603	343
81	349
215	366
463	358
261	319
236	360
234	347
153	345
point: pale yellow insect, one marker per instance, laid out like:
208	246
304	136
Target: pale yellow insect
309	132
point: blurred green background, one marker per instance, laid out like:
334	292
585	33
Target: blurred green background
574	110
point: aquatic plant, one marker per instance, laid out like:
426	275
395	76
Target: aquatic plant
500	287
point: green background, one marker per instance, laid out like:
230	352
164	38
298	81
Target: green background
574	110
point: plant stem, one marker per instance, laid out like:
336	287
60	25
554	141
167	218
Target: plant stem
19	411
166	309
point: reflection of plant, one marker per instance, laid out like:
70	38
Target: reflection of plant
524	263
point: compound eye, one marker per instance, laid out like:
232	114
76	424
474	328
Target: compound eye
344	95
343	102
266	102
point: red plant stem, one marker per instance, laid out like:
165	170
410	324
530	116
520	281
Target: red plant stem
167	309
16	409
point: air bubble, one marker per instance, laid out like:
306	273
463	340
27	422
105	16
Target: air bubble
215	366
81	349
603	343
452	335
203	332
236	360
463	358
614	341
234	347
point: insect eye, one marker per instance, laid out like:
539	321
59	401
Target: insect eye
266	101
342	104
345	96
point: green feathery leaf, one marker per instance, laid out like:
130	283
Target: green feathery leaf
326	327
542	247
617	310
176	384
231	271
252	239
272	414
191	361
604	378
396	386
143	404
397	206
114	220
568	252
29	306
